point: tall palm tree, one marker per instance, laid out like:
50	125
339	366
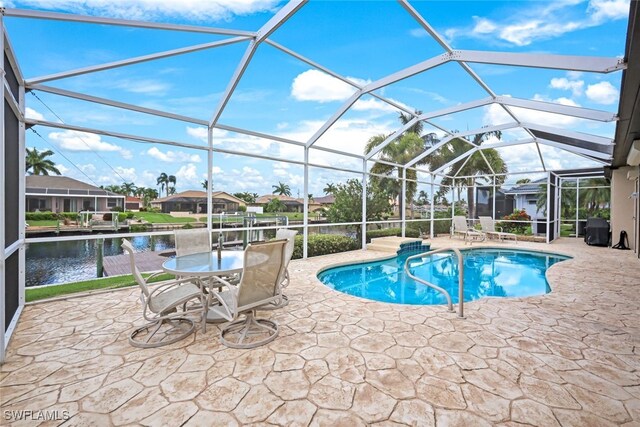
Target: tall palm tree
406	118
473	166
171	184
163	182
205	183
330	188
281	189
400	151
38	164
128	188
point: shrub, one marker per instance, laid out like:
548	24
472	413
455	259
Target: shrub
395	231
242	208
130	215
40	216
117	209
323	244
187	226
515	227
122	217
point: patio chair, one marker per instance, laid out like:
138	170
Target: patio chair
262	275
459	227
289	235
167	324
192	241
489	228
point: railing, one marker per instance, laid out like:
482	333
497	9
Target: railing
438	288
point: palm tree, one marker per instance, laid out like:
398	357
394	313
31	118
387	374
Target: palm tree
281	189
471	166
523	181
38	164
163	181
310	197
171	182
406	118
400	151
205	183
128	188
330	188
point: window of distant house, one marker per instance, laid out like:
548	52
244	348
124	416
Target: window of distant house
532	202
112	203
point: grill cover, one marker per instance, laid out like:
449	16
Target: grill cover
597	232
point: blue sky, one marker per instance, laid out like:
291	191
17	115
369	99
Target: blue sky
283	96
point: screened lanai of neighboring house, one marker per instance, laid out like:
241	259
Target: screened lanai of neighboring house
233	128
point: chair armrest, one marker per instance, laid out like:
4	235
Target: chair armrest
166	286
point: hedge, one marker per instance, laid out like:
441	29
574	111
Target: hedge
323	244
50	216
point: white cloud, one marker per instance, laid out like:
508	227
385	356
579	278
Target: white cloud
602	93
418	32
483	25
83	141
314	85
173	156
63	169
575	86
545	20
145	86
197	10
187	177
30	113
201	133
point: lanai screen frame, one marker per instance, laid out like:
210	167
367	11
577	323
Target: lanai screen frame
592	147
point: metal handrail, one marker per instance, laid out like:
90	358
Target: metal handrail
438	288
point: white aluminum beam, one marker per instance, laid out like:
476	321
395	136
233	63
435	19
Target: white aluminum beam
388	140
137	138
8	50
565	110
334	118
55	16
258	134
593	64
136	60
407	72
116	104
462	166
501	144
486	129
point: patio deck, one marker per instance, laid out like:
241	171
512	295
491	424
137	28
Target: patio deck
566	358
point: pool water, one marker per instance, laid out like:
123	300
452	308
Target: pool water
487	273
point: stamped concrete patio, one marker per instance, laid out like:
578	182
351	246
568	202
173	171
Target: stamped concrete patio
567	358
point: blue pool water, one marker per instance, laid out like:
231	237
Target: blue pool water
487	273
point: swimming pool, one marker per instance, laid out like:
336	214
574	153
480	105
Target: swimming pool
488	272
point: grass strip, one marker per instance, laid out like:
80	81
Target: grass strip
117	282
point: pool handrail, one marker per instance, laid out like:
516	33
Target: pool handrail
438	288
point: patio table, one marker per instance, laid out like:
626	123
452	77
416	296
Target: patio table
204	265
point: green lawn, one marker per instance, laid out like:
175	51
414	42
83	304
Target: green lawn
43	223
161	218
88	285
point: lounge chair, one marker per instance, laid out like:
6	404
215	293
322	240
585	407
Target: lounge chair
262	274
167	323
489	228
459	227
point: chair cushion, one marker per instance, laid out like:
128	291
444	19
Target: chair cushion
173	297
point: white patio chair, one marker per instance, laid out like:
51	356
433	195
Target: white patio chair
289	235
489	228
167	323
262	275
459	227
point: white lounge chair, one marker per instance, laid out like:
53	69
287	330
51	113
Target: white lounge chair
167	323
459	227
489	228
262	274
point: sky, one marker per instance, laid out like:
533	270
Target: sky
283	96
